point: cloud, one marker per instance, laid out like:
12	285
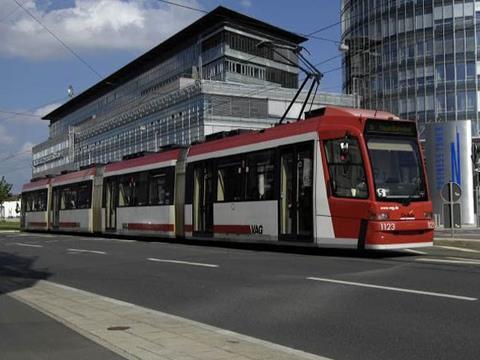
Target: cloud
246	3
5	137
26	149
27	119
44	110
92	25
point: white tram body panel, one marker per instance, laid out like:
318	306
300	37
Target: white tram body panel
252	220
36	220
75	220
146	220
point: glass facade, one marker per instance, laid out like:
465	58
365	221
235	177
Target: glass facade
218	81
415	58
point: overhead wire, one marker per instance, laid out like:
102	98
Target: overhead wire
184	6
69	49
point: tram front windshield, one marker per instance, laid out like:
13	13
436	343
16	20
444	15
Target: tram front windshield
397	168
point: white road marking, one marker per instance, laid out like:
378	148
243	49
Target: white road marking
458	249
29	245
183	262
419	292
415	252
473	261
87	251
463	261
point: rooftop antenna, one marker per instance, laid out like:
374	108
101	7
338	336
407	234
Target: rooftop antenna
70	91
311	72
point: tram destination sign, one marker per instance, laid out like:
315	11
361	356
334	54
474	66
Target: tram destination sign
390	127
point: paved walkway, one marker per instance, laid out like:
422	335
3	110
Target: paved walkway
27	334
135	332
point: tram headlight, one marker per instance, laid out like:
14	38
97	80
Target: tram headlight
428	215
379	216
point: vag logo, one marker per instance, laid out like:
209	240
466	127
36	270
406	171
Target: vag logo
455	160
256	229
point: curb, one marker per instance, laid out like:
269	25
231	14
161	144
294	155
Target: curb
458	242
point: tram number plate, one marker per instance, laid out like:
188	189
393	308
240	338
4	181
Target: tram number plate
387	226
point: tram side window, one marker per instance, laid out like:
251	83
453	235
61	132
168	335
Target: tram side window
161	187
140	191
126	184
260	175
76	196
345	164
146	188
230	180
35	200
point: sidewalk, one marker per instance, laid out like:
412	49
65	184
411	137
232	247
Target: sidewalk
135	332
468	237
27	334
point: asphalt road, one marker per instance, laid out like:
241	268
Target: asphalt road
338	304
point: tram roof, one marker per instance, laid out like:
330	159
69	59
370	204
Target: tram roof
145	160
36	185
75	176
323	117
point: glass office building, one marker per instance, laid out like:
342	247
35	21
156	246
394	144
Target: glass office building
212	76
416	58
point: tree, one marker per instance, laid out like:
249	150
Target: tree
4	190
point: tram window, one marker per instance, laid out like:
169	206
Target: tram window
76	196
84	195
230	180
345	164
260	175
125	190
68	199
140	189
189	185
161	191
35	200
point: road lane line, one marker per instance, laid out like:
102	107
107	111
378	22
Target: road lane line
183	262
28	245
444	261
473	261
457	248
390	288
87	251
415	252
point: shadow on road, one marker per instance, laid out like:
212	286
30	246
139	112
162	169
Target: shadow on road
294	248
17	272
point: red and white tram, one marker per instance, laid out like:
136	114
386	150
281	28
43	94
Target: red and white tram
341	178
35	200
75	201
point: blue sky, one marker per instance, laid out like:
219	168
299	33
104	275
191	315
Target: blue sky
35	70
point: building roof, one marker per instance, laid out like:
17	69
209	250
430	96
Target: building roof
164	50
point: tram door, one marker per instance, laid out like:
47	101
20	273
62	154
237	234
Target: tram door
296	192
56	208
203	199
111	197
